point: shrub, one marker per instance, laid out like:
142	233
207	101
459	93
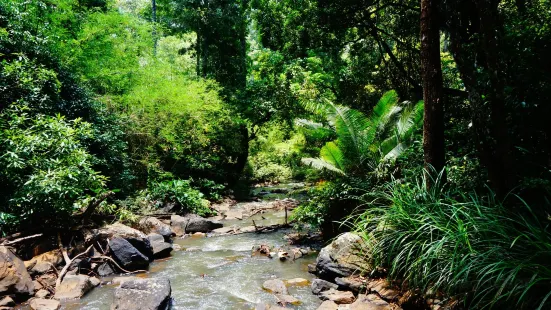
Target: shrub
182	126
180	192
45	167
440	239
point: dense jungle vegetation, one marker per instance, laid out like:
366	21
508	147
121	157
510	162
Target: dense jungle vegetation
422	125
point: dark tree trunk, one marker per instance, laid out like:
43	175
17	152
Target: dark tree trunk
433	93
500	170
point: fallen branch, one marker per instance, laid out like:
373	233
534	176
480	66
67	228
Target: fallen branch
260	229
21	239
256	212
63	250
66	268
113	261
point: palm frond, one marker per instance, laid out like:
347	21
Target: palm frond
305	123
321	164
409	120
352	128
332	154
395	152
386	103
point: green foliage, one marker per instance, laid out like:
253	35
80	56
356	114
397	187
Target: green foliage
366	141
464	245
108	49
189	200
181	126
46	167
60	145
314	211
275	154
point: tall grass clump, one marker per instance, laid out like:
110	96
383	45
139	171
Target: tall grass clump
470	247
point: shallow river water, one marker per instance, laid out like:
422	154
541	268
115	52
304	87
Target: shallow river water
220	272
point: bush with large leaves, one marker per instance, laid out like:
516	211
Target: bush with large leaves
363	142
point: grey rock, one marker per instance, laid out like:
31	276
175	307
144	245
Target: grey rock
137	238
127	255
287	300
143	245
152	225
275	286
161	249
42	293
371	302
341	258
105	269
14	277
350	284
143	294
73	287
192	223
44	304
339	297
319	285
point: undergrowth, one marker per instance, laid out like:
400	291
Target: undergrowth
471	247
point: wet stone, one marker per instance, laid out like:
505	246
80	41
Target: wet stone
275	286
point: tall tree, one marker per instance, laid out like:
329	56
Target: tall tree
154	20
433	93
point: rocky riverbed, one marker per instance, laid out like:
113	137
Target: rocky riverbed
245	258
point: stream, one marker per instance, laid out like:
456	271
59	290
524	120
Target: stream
221	272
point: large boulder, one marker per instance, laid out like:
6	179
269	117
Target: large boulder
127	256
342	257
152	225
137	238
73	287
44	304
143	294
14	278
192	223
161	249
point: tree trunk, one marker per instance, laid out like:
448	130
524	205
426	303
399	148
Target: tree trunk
433	92
154	19
501	170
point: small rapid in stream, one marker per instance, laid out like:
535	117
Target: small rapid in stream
221	272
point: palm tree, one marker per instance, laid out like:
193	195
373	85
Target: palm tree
366	140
